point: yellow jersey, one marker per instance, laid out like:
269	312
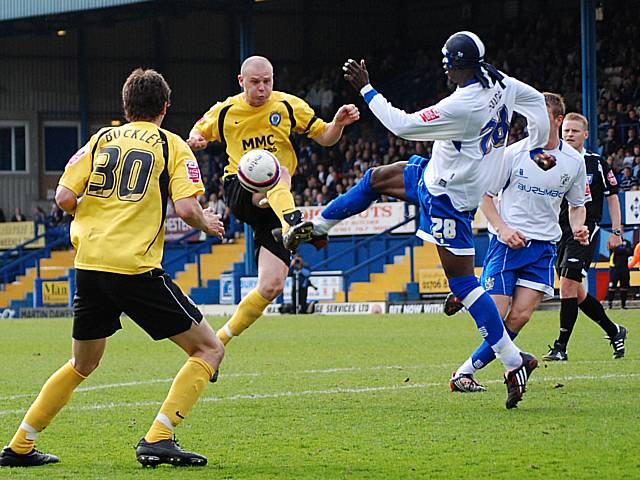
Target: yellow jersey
125	176
241	127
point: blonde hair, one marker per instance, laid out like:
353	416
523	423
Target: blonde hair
579	118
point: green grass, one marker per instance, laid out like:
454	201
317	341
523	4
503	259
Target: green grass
338	397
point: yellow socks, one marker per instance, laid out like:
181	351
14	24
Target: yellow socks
281	202
54	395
249	310
185	390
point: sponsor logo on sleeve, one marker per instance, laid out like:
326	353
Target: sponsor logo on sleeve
193	171
77	156
429	115
612	178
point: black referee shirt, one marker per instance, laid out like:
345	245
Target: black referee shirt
602	183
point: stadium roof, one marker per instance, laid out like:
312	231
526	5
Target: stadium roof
14	9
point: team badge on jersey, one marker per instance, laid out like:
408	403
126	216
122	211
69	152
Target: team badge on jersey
589	178
564	179
275	118
193	171
489	282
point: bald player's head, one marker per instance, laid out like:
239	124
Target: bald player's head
256	80
254	63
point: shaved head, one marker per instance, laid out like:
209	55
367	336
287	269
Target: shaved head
255	63
256	80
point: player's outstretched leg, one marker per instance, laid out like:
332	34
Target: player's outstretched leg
355	200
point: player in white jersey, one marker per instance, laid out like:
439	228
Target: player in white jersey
518	267
470	129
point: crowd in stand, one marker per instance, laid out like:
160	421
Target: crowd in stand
55	217
548	62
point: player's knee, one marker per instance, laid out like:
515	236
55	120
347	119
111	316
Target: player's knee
85	367
516	320
377	178
212	352
272	288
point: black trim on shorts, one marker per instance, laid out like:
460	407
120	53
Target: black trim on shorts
262	220
150	299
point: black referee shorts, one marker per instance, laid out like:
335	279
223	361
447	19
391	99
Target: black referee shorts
150	299
263	220
574	260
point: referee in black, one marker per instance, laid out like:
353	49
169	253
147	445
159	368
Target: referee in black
573	259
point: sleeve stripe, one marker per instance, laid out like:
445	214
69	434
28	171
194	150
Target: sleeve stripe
369	95
310	124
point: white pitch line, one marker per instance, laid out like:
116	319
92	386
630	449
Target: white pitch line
107	386
330	391
135	383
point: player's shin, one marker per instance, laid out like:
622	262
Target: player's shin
482	356
485	313
281	202
249	310
357	199
54	395
185	391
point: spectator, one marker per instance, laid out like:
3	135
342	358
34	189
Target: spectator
628	182
636	167
39	215
632	138
55	214
610	144
18	216
217	205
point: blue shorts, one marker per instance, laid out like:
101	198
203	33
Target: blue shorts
442	224
413	172
530	266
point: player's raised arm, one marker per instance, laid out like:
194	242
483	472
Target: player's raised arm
346	115
530	103
431	123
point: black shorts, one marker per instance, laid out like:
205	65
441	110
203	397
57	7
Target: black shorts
574	260
150	299
263	220
619	275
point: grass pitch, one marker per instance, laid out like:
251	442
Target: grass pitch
338	398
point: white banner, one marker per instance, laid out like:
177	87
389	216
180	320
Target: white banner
375	219
227	289
632	208
356	308
327	287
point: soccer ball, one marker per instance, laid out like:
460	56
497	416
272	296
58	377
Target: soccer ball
258	171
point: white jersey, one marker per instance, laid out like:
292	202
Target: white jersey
469	129
531	199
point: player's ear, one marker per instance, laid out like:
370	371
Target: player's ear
241	81
586	134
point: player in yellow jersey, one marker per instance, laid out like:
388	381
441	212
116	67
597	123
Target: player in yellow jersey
260	117
117	187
